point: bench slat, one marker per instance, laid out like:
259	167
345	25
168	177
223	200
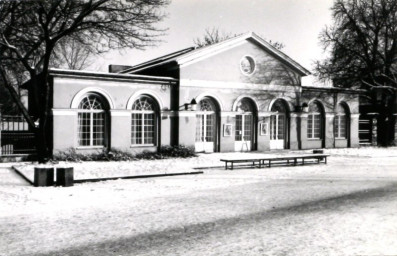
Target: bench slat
276	158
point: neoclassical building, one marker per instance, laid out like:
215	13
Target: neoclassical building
241	94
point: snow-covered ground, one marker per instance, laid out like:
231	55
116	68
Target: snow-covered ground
95	170
347	207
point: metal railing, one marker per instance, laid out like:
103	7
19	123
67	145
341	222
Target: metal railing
13	123
365	130
15	136
15	143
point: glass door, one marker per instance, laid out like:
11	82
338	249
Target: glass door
243	133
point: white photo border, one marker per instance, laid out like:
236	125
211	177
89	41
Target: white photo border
227	130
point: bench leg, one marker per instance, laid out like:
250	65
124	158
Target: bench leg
270	163
295	161
325	160
303	161
232	166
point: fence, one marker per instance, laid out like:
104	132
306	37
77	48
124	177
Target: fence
367	130
15	136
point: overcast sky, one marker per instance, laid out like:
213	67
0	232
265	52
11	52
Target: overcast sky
295	23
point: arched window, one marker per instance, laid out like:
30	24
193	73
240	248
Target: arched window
314	121
207	104
144	121
92	120
341	122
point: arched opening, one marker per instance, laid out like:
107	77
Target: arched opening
316	122
245	127
279	125
207	126
342	123
93	121
144	121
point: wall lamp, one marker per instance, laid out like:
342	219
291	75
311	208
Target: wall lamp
192	105
303	108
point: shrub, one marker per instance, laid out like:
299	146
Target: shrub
169	152
117	155
177	151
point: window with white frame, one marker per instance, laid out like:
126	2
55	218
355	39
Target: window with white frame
92	121
244	121
278	121
340	122
206	121
143	122
314	121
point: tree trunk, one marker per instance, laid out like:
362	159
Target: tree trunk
40	91
385	122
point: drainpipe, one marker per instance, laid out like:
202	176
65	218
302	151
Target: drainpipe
1	124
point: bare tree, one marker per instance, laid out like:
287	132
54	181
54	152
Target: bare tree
72	54
31	29
363	54
214	35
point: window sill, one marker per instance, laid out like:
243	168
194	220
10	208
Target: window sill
314	139
90	147
340	138
143	146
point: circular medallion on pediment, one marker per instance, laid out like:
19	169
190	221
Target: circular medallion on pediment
247	65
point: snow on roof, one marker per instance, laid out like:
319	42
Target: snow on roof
68	72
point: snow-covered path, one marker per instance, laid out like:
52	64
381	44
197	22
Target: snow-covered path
347	207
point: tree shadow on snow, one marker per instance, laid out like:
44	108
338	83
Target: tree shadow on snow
163	242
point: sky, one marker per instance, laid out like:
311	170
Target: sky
295	23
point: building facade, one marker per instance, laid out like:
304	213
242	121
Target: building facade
238	95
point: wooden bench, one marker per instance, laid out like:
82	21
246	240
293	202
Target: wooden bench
267	161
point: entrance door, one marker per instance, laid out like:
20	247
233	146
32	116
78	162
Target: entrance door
277	131
205	133
243	136
278	125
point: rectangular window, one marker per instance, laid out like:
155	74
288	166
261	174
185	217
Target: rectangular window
148	129
280	127
143	129
84	129
239	128
273	127
247	127
317	127
98	129
209	137
342	125
136	129
199	128
91	131
310	126
314	126
205	128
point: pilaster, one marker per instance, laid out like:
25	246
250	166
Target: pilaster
354	121
329	133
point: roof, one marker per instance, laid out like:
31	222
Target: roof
105	75
332	89
93	74
190	55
